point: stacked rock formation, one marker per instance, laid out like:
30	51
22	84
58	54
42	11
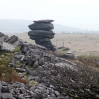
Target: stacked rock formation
42	33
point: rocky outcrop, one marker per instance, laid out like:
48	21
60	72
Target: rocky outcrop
49	76
6	42
42	33
32	60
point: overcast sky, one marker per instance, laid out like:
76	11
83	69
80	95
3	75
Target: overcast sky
82	14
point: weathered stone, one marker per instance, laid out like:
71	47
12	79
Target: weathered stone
44	40
5	89
41	34
20	70
56	93
13	39
36	64
64	48
68	55
18	43
43	21
1	34
1	44
41	26
6	96
41	61
43	43
41	47
24	49
30	72
30	61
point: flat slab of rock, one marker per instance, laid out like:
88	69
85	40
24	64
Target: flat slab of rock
44	40
42	47
44	21
40	32
37	37
7	47
6	96
41	26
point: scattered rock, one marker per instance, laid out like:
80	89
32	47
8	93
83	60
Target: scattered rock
64	48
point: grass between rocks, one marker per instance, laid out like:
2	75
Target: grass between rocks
17	49
7	73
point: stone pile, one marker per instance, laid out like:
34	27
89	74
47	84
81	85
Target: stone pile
33	61
42	33
20	91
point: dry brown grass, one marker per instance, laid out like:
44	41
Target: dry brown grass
90	62
11	76
8	74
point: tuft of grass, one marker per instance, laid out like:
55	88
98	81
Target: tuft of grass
16	77
8	42
62	51
33	82
17	49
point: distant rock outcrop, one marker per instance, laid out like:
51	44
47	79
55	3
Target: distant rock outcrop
42	33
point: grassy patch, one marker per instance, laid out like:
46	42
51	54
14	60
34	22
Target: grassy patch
33	82
17	49
8	74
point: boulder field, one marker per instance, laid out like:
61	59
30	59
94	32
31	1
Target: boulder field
34	61
49	76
